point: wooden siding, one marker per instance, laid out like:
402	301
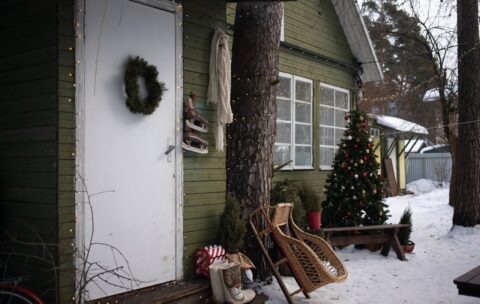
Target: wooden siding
28	136
314	25
37	139
204	175
66	148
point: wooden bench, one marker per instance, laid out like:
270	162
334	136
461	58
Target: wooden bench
386	235
468	284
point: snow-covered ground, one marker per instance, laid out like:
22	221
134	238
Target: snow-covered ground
441	254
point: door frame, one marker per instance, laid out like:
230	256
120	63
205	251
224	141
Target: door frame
79	156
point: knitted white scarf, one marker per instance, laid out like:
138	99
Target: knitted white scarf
219	85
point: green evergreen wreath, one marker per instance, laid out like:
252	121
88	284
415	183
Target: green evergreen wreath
138	67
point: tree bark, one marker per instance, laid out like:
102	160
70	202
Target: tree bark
467	189
251	135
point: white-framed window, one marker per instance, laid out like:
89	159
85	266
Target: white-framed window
375	132
334	105
294	122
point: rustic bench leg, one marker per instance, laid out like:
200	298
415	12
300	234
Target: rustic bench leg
386	248
398	248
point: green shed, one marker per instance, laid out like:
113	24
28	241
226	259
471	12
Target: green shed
90	188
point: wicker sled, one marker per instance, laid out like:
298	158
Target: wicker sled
311	259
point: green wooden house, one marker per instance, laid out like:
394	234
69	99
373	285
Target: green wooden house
80	173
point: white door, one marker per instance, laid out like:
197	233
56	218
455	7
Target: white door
124	153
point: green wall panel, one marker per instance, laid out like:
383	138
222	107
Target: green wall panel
204	175
37	139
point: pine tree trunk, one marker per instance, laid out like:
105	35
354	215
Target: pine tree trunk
467	204
251	136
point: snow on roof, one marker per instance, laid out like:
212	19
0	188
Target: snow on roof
399	124
434	94
432	147
431	95
414	146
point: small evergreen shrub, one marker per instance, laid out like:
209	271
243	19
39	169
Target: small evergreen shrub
404	233
309	198
286	191
232	228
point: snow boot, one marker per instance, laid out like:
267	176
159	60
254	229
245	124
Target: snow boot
193	142
232	285
218	296
195	120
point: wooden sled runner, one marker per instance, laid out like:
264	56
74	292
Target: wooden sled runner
311	259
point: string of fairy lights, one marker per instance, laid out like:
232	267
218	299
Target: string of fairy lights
79	65
78	77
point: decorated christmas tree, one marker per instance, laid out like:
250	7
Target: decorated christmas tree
354	194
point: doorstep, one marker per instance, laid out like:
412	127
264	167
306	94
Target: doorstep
183	292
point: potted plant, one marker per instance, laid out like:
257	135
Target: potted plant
404	233
311	204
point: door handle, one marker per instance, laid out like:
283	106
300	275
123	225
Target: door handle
170	149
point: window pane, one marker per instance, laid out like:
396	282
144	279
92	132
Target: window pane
283	109
303	134
341	100
326	116
283	133
340	118
284	87
326	156
281	154
338	136
326	136
303	112
303	156
326	96
303	90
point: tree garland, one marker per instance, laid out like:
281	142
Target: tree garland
138	67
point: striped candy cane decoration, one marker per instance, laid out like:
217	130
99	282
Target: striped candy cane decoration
206	256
